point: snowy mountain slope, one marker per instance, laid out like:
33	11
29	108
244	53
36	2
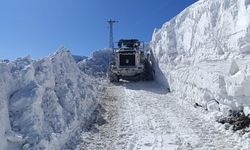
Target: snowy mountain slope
44	103
79	58
204	53
97	64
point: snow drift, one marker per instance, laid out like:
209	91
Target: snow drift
204	53
44	103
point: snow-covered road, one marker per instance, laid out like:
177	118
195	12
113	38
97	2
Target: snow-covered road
143	116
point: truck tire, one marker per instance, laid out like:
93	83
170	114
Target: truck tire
148	71
113	77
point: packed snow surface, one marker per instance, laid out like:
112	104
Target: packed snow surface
203	53
142	116
44	104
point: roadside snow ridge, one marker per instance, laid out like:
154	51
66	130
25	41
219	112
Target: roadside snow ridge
44	103
204	53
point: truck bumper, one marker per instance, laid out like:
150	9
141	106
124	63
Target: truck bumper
127	71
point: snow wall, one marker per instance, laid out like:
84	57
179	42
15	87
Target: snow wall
44	103
204	53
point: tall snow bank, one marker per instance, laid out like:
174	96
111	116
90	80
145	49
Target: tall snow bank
204	52
97	64
43	103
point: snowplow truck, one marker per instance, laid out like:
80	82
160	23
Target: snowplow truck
130	62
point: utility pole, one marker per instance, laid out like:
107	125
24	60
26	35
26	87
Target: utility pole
111	42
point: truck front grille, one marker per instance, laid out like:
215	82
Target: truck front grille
127	60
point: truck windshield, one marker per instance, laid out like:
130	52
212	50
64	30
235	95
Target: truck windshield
129	43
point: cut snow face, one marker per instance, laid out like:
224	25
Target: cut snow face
204	53
44	103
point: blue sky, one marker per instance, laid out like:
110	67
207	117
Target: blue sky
39	27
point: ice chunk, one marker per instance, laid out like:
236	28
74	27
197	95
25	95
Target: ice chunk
233	68
213	105
246	110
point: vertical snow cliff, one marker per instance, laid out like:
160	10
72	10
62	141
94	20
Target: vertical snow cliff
43	103
204	53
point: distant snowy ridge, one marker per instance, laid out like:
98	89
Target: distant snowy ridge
43	103
97	64
79	58
204	53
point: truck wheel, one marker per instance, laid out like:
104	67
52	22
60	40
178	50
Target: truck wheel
113	77
148	71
